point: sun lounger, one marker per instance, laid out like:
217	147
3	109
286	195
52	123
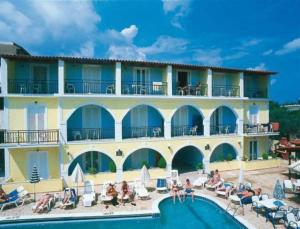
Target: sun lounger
200	182
140	190
288	186
234	204
175	176
214	186
89	194
161	185
12	200
47	206
103	196
227	190
72	200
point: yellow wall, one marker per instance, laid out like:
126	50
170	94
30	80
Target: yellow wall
263	145
17	112
18	162
263	107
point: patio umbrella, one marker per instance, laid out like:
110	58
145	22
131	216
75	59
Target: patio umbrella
34	179
278	192
145	175
295	167
77	175
241	176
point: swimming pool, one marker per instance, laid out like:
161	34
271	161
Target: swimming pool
201	213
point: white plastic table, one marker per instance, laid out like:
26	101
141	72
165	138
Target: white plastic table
269	203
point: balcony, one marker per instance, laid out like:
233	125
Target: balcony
226	90
32	86
29	136
186	131
154	88
258	129
144	132
256	92
89	87
223	129
81	134
200	90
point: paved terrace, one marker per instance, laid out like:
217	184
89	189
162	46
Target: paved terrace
260	178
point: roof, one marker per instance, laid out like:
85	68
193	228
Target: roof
11	48
84	60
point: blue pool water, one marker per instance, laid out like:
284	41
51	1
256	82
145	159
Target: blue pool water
199	214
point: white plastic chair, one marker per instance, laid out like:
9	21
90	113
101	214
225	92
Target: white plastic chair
175	176
103	196
89	194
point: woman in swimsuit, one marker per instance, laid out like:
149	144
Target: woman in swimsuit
175	191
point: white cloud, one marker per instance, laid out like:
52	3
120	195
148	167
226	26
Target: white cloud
130	32
86	50
180	8
251	42
289	47
35	21
125	52
267	52
214	57
261	66
166	44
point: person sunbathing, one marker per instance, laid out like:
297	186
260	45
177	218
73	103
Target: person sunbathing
66	199
189	188
175	191
3	196
43	201
215	179
124	191
111	191
246	196
227	188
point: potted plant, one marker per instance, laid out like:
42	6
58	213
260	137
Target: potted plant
265	156
162	163
229	157
112	167
92	170
199	167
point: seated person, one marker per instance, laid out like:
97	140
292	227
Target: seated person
125	191
3	196
189	188
215	179
43	201
66	199
111	191
175	191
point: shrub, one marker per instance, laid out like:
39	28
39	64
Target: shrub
199	166
162	163
274	155
112	167
92	170
146	164
265	156
229	157
220	157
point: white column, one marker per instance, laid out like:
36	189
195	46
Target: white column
61	77
119	174
5	124
209	82
7	165
206	127
118	72
240	126
118	131
168	170
169	79
4	76
167	129
241	74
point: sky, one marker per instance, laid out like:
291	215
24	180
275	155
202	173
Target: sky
249	34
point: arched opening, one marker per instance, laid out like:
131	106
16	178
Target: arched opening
187	121
93	162
187	159
143	121
145	156
223	121
90	122
223	152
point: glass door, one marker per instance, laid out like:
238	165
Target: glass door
39	79
253	150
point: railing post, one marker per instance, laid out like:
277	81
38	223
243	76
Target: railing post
18	136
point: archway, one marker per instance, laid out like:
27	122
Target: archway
90	122
187	159
92	162
144	156
187	120
223	152
223	121
143	121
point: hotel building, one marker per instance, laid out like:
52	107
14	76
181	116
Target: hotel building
112	116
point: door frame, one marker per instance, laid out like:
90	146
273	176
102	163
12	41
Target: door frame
257	149
189	78
91	66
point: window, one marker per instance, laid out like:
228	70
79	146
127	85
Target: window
253	115
183	79
2	163
40	160
253	150
36	117
141	76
